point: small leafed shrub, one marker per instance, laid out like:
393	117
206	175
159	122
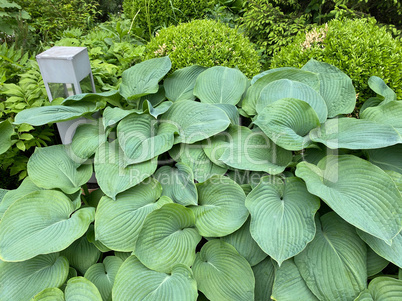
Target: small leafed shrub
206	43
194	204
360	48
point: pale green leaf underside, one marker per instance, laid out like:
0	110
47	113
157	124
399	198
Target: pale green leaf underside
282	216
288	284
52	167
134	281
23	280
338	253
335	87
380	87
221	209
46	221
167	238
220	85
287	122
354	133
376	207
223	274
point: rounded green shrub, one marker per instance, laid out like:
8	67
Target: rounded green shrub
206	43
156	13
358	47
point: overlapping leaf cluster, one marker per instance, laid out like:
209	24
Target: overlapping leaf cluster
211	186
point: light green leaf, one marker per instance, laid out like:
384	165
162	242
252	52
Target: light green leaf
354	133
255	90
86	141
389	252
6	131
282	216
167	238
23	280
178	184
91	238
42	222
57	113
380	87
194	157
103	275
215	146
245	244
334	263
288	284
79	289
50	294
142	137
180	84
375	263
220	85
252	150
159	110
231	111
258	76
136	282
222	274
388	158
221	210
375	207
151	100
195	121
335	87
287	122
81	254
382	289
122	255
285	88
143	78
112	172
112	116
51	167
118	223
112	96
264	280
388	114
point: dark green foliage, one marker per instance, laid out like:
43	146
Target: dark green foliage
206	43
12	17
153	14
109	7
360	48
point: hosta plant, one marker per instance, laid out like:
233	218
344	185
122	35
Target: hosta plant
212	187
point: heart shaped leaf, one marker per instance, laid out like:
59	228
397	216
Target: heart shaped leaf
79	288
382	289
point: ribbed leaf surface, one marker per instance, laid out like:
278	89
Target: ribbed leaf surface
264	280
382	289
380	87
375	263
389	114
81	289
388	158
50	294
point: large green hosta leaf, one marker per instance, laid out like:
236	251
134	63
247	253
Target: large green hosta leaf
382	289
134	281
220	85
81	254
223	274
245	244
289	285
118	222
112	96
287	122
221	209
264	280
143	78
167	238
334	263
80	289
285	88
253	150
50	294
335	87
193	155
6	131
178	184
103	275
380	87
112	172
389	252
388	158
42	222
57	113
354	133
375	263
360	192
389	114
180	84
52	167
23	280
195	121
282	216
142	137
255	90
